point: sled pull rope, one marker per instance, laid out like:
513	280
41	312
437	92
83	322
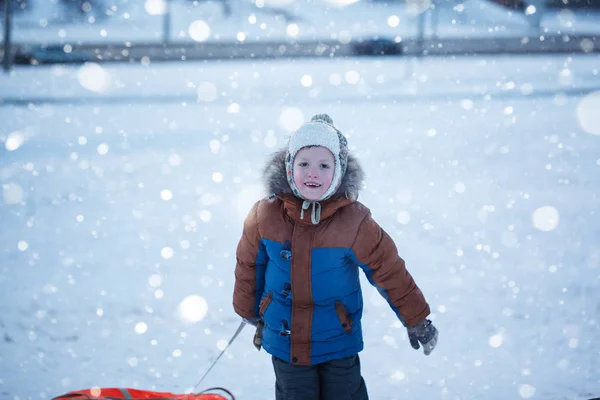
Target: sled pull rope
207	391
235	335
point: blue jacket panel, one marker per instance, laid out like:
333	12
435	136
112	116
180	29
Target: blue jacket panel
337	302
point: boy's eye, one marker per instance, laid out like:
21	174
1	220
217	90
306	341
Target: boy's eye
303	164
325	166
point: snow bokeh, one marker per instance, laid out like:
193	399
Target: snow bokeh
166	253
546	218
14	141
166	194
526	391
193	309
199	31
94	77
123	204
12	193
403	217
291	118
496	340
141	328
587	113
207	91
156	7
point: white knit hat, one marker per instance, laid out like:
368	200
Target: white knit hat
318	132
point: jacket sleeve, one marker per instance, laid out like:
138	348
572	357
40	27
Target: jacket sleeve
377	255
251	261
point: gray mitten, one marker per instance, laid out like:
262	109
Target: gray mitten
424	333
259	324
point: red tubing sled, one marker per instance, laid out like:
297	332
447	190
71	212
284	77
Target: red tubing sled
136	394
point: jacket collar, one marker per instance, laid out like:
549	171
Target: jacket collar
293	208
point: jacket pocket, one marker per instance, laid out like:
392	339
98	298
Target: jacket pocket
343	315
264	303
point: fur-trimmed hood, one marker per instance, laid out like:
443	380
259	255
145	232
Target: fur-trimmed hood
275	178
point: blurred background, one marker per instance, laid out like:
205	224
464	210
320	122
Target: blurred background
76	29
132	139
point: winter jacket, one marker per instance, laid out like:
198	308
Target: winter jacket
302	279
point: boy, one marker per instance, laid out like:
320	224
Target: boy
297	269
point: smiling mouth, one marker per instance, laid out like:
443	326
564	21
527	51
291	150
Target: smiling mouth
312	185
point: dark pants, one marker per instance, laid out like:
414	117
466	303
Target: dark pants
332	380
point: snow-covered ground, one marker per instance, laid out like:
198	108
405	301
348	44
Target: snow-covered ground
275	20
124	189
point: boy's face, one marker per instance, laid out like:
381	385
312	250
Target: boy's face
313	171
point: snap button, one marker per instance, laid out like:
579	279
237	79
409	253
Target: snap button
286	290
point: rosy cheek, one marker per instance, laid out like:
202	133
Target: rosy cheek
297	179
